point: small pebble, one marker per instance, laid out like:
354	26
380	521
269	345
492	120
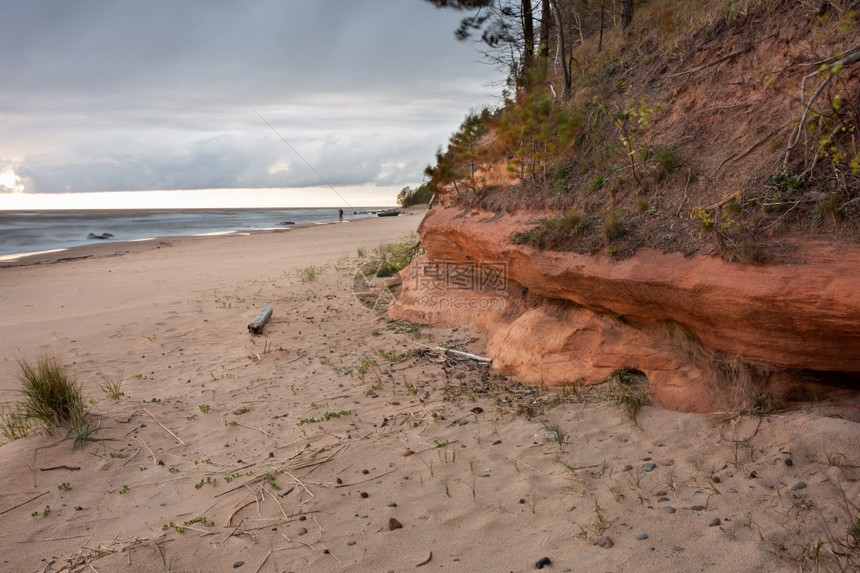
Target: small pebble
477	410
364	495
485	474
407	452
715	522
522	500
662	499
753	474
698	508
497	442
326	551
303	517
238	564
394	524
302	530
716	479
338	481
627	468
649	467
542	562
462	422
392	504
788	462
604	542
365	472
799	485
642	536
350	543
667	509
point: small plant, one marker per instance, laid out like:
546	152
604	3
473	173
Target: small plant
124	489
191	417
271	480
173	469
240	411
613	226
116	455
207	480
309	274
112	387
15	422
324	418
64	486
205	408
51	396
629	388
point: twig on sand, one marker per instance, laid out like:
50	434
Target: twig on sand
253	428
155	461
365	480
163	426
137	451
299	482
450	352
70	468
426	561
24	502
273	496
264	560
328	551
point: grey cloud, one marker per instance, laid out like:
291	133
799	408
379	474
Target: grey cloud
105	95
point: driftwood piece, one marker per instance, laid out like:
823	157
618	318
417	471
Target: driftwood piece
256	326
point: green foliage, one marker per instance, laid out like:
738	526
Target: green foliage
112	387
324	418
51	396
553	233
408	196
458	164
390	258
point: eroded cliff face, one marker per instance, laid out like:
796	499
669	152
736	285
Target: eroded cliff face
707	333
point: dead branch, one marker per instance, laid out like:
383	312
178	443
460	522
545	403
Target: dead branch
710	64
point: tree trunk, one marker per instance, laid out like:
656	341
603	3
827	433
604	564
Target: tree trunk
602	12
528	40
626	14
544	29
562	52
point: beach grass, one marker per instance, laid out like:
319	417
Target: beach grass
52	396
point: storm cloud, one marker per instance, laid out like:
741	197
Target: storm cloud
105	95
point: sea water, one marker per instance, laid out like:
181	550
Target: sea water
35	231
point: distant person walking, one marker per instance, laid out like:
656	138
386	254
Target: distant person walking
340	215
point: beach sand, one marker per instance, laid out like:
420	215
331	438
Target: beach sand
338	441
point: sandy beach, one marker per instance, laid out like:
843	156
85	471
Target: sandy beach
339	440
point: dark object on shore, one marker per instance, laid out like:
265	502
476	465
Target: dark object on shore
542	562
256	326
101	237
389	213
287	223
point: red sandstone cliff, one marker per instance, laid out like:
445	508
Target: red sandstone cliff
704	331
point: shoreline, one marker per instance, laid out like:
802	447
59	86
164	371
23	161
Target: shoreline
110	248
338	440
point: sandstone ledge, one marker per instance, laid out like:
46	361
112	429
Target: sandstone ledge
701	329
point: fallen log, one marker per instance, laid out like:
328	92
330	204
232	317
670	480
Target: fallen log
256	326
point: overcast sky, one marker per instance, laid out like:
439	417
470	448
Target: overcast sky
104	95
